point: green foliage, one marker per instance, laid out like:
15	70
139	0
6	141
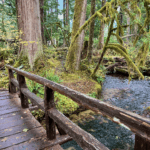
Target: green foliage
37	113
35	87
94	95
65	104
100	79
51	76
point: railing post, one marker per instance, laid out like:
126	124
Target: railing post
22	84
12	88
141	143
49	103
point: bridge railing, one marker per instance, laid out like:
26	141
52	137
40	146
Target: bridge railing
136	123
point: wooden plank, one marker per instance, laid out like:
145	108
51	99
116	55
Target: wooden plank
18	129
40	143
8	111
2	108
4	92
8	101
21	137
84	139
6	97
14	117
13	123
21	113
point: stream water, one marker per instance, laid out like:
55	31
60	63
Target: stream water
134	96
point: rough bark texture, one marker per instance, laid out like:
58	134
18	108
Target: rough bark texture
74	53
42	19
28	14
64	15
67	12
128	23
101	37
91	34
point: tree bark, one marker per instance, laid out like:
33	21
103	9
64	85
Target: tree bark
64	15
42	19
67	12
29	23
101	35
74	53
128	23
64	21
91	34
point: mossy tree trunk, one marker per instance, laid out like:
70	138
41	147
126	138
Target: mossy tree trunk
29	23
101	34
128	23
91	34
74	53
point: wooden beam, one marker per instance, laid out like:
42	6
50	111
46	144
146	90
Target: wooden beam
84	139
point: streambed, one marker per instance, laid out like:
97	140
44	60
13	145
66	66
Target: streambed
134	96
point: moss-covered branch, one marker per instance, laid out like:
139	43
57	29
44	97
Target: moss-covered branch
130	62
119	39
104	48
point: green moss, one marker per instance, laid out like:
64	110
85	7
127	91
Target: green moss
4	82
65	104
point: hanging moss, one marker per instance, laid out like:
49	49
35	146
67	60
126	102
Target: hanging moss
142	54
120	46
130	63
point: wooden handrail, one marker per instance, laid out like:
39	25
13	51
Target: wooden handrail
136	123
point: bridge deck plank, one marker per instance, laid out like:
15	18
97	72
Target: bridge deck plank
14	119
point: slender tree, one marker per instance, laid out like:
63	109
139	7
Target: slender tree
29	24
91	34
42	19
102	26
67	12
128	23
74	53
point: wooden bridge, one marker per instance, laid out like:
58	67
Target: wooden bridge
19	130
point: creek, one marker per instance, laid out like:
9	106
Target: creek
134	97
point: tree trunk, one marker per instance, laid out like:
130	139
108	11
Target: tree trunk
28	14
128	23
56	11
101	35
74	53
91	34
42	19
64	15
64	21
120	19
67	12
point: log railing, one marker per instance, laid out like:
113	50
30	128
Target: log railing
136	123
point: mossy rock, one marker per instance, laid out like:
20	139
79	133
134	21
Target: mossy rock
86	114
74	117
